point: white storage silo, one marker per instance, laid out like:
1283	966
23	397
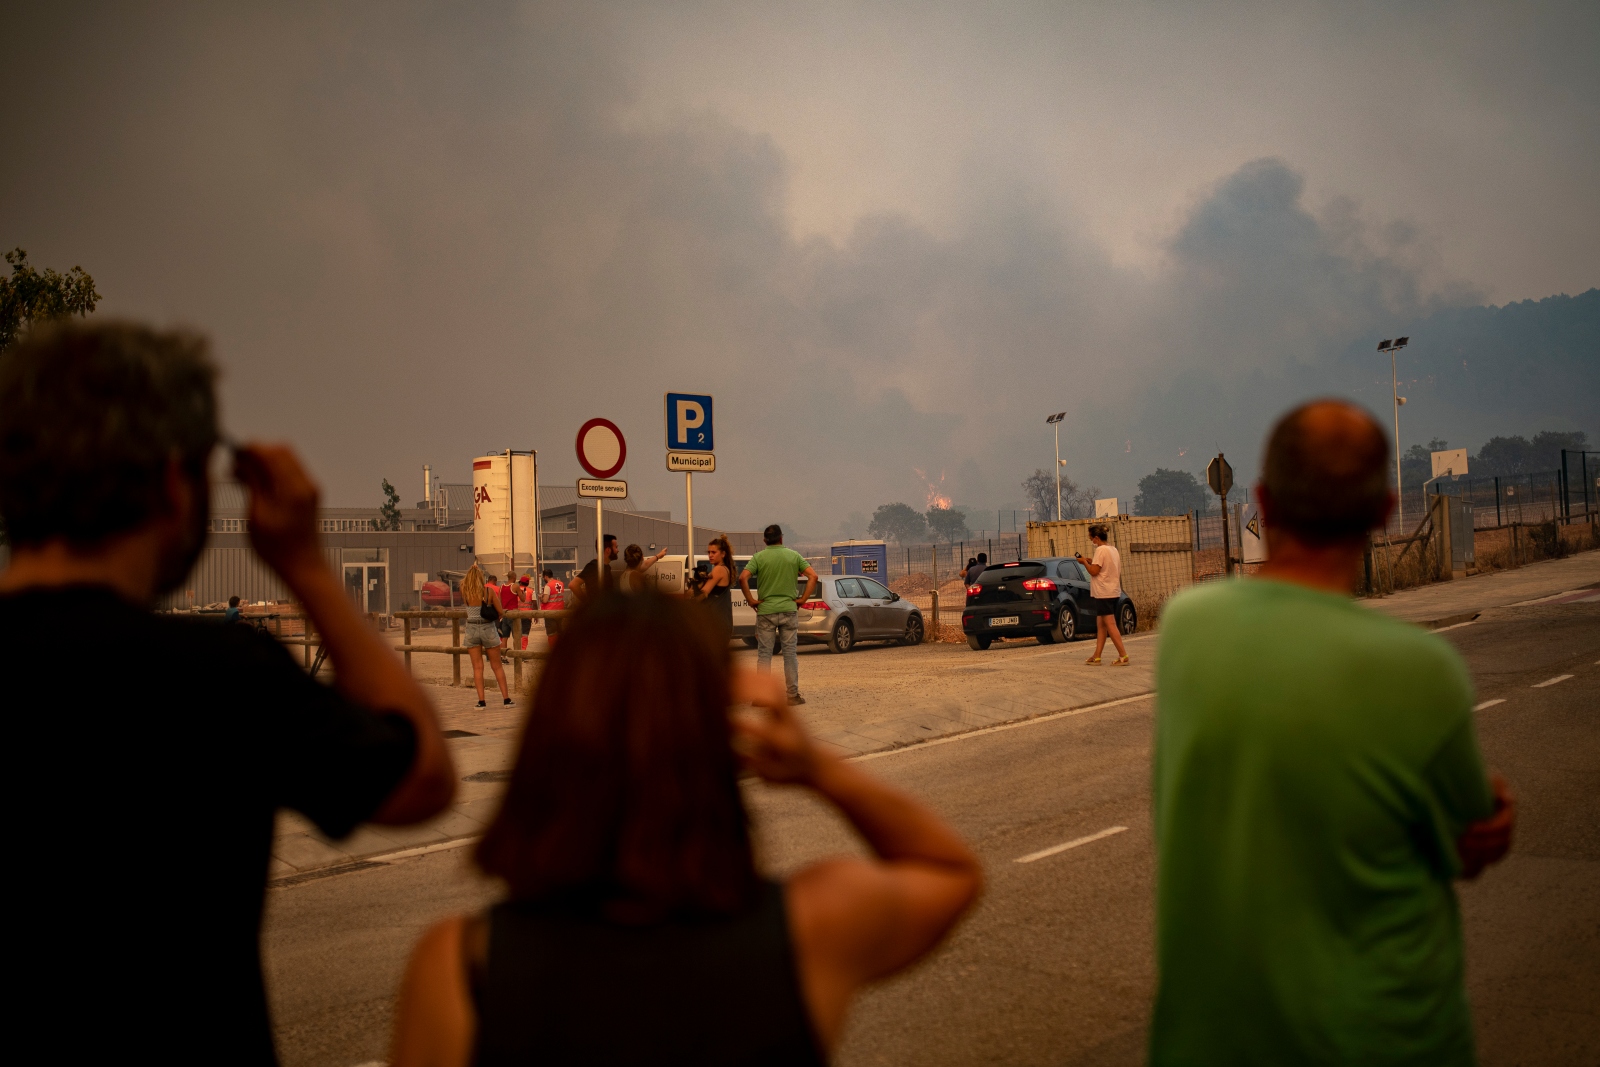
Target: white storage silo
503	513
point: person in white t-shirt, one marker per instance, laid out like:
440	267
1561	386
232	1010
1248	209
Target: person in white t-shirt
1105	590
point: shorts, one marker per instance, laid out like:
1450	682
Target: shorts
1104	605
480	635
503	627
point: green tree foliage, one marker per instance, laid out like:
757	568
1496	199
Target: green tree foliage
947	524
897	522
389	514
29	297
1169	492
1517	455
1040	493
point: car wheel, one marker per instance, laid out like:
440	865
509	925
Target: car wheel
1067	627
979	644
1045	637
843	637
750	642
913	634
1127	620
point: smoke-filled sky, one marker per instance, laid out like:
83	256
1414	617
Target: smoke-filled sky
889	239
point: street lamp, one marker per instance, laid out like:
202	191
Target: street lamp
1055	420
1392	347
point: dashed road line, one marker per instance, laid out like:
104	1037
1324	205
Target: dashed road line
918	746
1053	849
1489	703
1456	626
1551	681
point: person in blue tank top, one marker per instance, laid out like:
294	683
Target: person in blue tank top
636	928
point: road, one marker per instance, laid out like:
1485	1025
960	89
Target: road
1055	966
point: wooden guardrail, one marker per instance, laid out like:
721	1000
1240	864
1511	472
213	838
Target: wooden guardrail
455	651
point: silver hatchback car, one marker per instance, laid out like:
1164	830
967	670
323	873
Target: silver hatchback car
848	608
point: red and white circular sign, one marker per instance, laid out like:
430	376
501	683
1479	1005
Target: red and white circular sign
601	449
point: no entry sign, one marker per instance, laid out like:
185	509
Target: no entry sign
601	449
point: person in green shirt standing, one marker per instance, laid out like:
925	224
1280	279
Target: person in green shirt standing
1318	788
777	572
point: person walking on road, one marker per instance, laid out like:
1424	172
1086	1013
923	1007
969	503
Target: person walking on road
1105	593
106	433
777	572
717	588
637	929
1317	790
481	633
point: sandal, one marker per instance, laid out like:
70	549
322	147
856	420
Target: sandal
1123	662
1093	661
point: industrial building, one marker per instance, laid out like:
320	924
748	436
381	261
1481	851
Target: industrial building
384	569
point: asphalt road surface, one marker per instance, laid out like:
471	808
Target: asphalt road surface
1055	966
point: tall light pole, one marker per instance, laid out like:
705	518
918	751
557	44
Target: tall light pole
1392	347
1055	420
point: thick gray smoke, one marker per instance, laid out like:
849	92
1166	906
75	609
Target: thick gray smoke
419	234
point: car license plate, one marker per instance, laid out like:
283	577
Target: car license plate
1004	620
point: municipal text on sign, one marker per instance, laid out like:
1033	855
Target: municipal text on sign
615	489
698	462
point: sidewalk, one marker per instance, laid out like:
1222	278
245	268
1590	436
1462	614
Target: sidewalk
874	699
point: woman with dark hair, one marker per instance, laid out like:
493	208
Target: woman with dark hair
636	928
716	590
633	560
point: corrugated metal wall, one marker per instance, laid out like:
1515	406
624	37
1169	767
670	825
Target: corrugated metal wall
229	567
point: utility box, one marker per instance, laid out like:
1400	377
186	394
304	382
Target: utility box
860	557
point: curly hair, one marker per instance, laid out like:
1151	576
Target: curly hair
91	417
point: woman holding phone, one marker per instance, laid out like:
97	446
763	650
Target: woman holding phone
633	893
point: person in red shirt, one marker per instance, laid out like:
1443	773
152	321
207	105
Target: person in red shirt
554	600
527	600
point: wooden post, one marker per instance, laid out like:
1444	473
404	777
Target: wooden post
407	624
936	613
516	660
455	657
1441	523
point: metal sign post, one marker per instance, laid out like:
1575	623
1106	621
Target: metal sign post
1220	477
691	446
602	451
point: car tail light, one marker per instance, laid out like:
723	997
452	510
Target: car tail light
1036	584
974	590
815	605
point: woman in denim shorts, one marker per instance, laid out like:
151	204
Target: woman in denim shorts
481	635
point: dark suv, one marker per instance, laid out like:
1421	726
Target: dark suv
1043	598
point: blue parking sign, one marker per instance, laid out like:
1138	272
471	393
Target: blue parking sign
689	423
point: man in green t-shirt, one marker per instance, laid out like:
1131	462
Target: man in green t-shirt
777	572
1317	788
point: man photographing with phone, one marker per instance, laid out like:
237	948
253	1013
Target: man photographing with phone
1105	590
106	433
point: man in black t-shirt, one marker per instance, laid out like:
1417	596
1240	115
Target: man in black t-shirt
138	915
583	586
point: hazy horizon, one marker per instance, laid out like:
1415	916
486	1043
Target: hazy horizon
889	241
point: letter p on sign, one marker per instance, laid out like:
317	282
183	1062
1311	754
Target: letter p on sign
689	426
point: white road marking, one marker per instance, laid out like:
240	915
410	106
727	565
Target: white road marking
1053	849
950	739
1457	626
1551	681
1489	703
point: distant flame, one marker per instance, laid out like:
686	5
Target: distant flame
935	498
